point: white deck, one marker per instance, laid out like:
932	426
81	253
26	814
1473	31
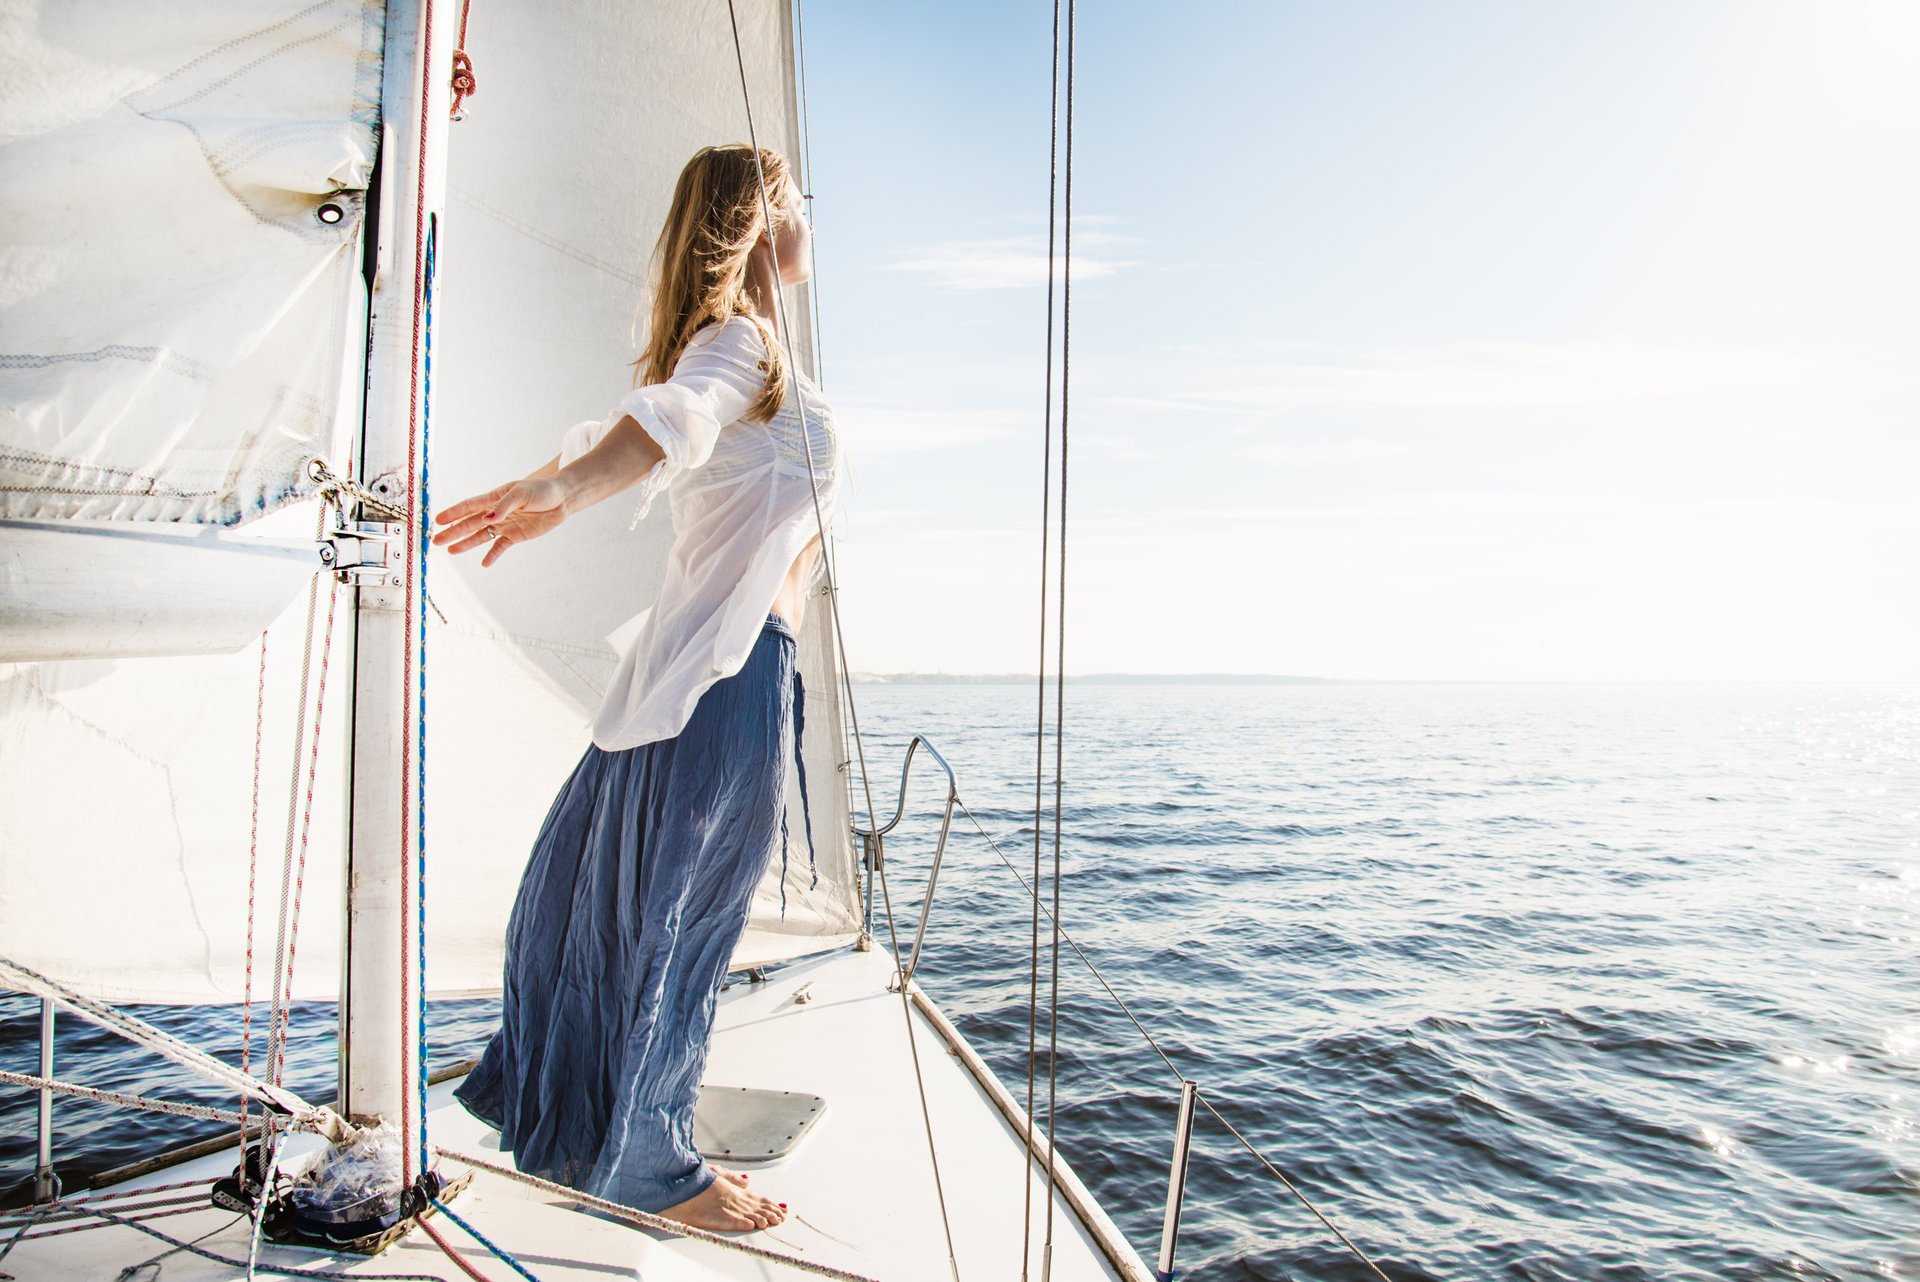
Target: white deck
862	1175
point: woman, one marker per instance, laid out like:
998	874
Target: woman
640	880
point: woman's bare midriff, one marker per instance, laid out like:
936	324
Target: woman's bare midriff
791	604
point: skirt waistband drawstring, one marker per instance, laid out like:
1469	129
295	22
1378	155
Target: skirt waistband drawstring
800	769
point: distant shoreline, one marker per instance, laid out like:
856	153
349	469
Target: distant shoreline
1093	678
1262	679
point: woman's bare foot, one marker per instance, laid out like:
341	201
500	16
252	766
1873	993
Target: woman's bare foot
724	1207
738	1177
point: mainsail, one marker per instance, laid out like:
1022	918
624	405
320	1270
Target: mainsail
128	796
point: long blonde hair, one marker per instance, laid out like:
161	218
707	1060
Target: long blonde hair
700	263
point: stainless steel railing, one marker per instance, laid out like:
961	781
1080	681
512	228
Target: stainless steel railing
873	847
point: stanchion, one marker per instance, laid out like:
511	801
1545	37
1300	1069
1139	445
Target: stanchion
1176	1180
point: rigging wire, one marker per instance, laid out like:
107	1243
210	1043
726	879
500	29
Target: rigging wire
839	636
806	185
1060	648
1281	1176
1040	712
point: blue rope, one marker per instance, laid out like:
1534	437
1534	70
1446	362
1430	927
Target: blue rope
481	1238
420	735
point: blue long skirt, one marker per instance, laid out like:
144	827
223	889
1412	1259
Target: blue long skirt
637	891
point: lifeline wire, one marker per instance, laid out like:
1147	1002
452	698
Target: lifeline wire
833	598
1154	1043
204	1112
26	979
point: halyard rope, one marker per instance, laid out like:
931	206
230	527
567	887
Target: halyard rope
415	513
275	1042
279	1059
334	489
477	1236
253	877
839	634
648	1219
420	765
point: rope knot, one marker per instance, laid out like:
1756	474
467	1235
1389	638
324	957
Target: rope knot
465	83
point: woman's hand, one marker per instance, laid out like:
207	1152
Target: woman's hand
512	513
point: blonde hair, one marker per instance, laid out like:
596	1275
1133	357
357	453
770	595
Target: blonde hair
700	263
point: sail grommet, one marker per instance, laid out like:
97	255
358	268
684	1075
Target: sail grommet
330	213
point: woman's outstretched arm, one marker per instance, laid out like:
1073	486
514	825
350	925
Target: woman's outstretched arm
657	432
542	500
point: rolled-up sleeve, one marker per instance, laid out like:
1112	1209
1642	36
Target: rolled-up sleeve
714	382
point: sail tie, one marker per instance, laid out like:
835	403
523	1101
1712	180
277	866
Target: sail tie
465	83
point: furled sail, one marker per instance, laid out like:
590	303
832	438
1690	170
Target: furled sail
128	800
181	190
181	307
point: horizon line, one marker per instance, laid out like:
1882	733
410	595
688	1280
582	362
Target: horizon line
1257	678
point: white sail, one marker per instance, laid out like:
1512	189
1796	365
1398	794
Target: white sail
558	183
126	798
181	191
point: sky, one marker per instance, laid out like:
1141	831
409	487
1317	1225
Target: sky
1476	341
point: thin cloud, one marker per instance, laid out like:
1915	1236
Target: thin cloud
1310	453
1279	378
878	427
1016	262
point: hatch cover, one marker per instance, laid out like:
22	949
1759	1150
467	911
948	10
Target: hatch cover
747	1124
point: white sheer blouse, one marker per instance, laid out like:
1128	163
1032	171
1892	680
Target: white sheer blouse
743	511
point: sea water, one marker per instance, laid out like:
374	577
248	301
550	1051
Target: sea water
1530	982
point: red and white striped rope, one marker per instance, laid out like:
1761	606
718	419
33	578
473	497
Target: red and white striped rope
205	1112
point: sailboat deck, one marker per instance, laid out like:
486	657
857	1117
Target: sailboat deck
860	1185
